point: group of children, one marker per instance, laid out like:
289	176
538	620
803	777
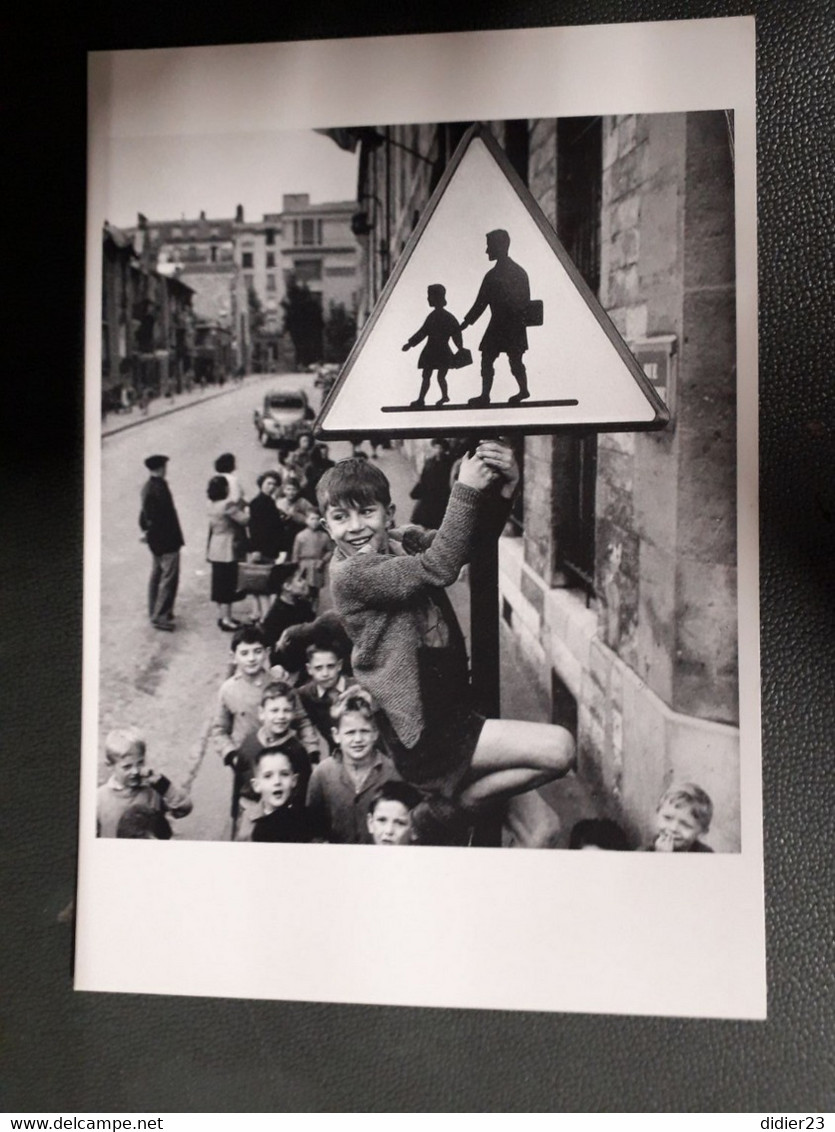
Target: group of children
380	745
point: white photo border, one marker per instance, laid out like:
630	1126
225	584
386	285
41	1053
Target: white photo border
534	931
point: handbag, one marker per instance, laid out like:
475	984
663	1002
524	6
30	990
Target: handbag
255	577
461	359
534	313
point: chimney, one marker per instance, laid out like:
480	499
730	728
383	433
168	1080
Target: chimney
239	214
202	214
140	236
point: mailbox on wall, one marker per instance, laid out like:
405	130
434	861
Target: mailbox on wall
658	357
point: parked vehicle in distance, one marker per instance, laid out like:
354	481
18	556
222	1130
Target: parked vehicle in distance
285	413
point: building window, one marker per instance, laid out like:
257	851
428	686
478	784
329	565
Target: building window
270	237
307	232
213	253
270	259
579	196
271	282
249	281
246	260
307	270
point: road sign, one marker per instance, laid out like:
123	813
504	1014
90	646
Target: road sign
484	273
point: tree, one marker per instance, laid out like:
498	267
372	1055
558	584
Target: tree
340	333
256	311
303	322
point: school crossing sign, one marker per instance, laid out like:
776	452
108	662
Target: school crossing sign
486	326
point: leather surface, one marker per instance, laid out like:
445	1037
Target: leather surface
83	1052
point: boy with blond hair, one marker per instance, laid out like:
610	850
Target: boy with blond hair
132	783
343	786
683	816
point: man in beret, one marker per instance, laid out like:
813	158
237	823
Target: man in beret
158	519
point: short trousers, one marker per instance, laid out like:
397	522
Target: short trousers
441	759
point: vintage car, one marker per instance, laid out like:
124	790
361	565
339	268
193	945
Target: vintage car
286	413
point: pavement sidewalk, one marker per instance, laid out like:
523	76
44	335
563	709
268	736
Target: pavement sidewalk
162	406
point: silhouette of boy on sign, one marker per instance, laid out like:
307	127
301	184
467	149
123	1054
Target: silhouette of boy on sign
506	290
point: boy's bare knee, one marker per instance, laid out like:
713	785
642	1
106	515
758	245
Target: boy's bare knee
562	752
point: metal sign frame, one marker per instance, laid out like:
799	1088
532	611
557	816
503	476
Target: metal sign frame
455	428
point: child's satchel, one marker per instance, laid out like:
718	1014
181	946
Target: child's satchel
461	359
534	313
256	578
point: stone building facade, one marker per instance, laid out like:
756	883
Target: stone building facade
646	651
147	324
618	595
239	269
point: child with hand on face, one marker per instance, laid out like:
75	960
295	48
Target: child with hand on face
683	816
343	787
132	783
279	706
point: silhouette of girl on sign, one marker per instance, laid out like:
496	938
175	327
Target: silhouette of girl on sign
440	326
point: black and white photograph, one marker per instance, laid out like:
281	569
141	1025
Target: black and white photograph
419	474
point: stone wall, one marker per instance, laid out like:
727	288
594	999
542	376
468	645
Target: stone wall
666	514
651	662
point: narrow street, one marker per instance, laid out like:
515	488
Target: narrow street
166	683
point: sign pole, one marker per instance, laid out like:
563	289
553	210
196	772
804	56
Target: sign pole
485	657
484	627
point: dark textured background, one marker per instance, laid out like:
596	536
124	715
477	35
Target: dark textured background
67	1051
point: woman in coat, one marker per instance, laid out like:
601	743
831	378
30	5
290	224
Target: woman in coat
226	547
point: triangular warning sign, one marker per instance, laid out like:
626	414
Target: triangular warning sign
544	354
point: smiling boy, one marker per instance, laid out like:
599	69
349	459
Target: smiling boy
408	649
683	816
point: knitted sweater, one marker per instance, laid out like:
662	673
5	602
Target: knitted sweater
379	597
